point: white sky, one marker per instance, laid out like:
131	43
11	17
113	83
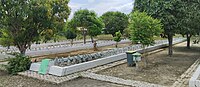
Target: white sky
101	6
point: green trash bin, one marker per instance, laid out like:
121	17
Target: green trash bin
130	61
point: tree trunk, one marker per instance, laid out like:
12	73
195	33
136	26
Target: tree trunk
188	40
71	42
84	36
22	48
116	45
144	56
92	39
144	62
29	45
170	39
95	46
8	47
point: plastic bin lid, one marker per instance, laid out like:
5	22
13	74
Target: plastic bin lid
130	51
137	54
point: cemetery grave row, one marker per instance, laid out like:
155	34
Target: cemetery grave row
63	66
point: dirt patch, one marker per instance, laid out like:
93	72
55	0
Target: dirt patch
162	69
7	80
85	82
79	52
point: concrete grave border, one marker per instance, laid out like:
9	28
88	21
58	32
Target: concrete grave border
61	71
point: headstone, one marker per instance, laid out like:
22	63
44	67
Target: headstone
44	66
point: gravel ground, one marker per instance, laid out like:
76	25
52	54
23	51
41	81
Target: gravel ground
162	69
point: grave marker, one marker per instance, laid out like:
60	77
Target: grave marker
44	66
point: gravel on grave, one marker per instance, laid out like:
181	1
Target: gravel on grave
162	69
7	80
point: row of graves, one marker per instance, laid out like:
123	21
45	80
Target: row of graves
69	65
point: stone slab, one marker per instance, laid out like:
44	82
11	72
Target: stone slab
35	67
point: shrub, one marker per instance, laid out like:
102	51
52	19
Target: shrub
18	64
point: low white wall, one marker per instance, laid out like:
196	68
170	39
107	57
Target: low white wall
194	82
84	66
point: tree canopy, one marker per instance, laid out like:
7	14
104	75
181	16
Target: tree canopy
69	34
144	28
114	22
166	11
188	19
26	20
117	38
88	23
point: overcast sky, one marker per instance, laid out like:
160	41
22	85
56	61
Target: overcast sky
101	6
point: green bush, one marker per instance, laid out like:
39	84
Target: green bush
18	64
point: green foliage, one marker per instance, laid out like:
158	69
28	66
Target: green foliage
85	19
88	20
164	10
114	22
69	34
94	30
189	16
18	64
117	37
144	28
127	33
5	39
29	21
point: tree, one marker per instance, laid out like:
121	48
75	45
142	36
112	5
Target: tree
166	11
87	21
117	38
69	34
188	18
95	28
26	20
114	22
143	29
127	33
